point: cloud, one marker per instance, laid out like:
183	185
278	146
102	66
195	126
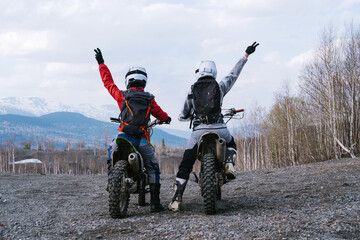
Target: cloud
212	45
301	59
51	84
349	3
47	46
23	42
160	8
56	68
272	58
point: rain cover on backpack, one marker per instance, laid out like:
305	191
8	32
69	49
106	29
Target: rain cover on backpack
135	112
206	95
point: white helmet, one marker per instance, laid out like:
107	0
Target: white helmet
206	68
134	75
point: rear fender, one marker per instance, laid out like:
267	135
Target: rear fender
207	143
124	149
214	143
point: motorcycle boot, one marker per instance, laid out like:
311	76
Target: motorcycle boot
109	174
155	205
176	200
230	163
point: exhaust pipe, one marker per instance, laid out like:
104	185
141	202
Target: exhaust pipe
134	162
220	150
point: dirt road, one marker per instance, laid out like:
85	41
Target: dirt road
314	201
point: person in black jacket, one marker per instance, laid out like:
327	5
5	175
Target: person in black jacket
206	71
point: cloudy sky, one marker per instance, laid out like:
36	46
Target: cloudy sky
46	47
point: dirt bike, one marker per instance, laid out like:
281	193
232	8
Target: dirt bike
212	155
128	175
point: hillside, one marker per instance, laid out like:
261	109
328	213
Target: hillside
36	107
64	127
313	201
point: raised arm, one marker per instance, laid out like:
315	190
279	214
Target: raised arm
107	78
228	82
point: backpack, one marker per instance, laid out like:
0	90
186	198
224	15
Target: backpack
135	112
206	96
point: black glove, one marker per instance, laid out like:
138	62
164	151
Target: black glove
168	120
98	56
251	49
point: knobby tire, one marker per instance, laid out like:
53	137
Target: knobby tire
119	193
209	183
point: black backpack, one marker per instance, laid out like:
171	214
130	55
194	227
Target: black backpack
135	112
206	96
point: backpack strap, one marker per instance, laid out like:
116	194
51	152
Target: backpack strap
191	94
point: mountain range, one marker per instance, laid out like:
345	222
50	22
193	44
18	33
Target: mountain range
62	128
36	107
30	117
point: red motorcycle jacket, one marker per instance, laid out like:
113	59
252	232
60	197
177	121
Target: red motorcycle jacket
109	84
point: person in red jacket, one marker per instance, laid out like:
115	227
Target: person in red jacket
132	126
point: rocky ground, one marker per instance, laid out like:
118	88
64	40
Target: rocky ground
313	201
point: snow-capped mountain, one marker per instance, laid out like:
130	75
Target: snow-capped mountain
34	106
62	127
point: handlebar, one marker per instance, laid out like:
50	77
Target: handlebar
232	111
156	122
117	120
151	124
228	114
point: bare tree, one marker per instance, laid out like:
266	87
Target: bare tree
331	88
10	145
351	75
80	145
68	144
251	142
107	138
2	164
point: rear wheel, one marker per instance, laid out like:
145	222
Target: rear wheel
119	193
208	185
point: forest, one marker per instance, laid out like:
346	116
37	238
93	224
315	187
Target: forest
318	123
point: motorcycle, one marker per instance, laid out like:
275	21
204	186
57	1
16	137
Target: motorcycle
128	175
212	154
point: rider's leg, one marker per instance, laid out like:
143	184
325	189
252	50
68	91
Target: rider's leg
179	188
153	170
111	149
109	173
182	177
155	205
230	159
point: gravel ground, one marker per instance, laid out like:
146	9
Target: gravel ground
313	201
